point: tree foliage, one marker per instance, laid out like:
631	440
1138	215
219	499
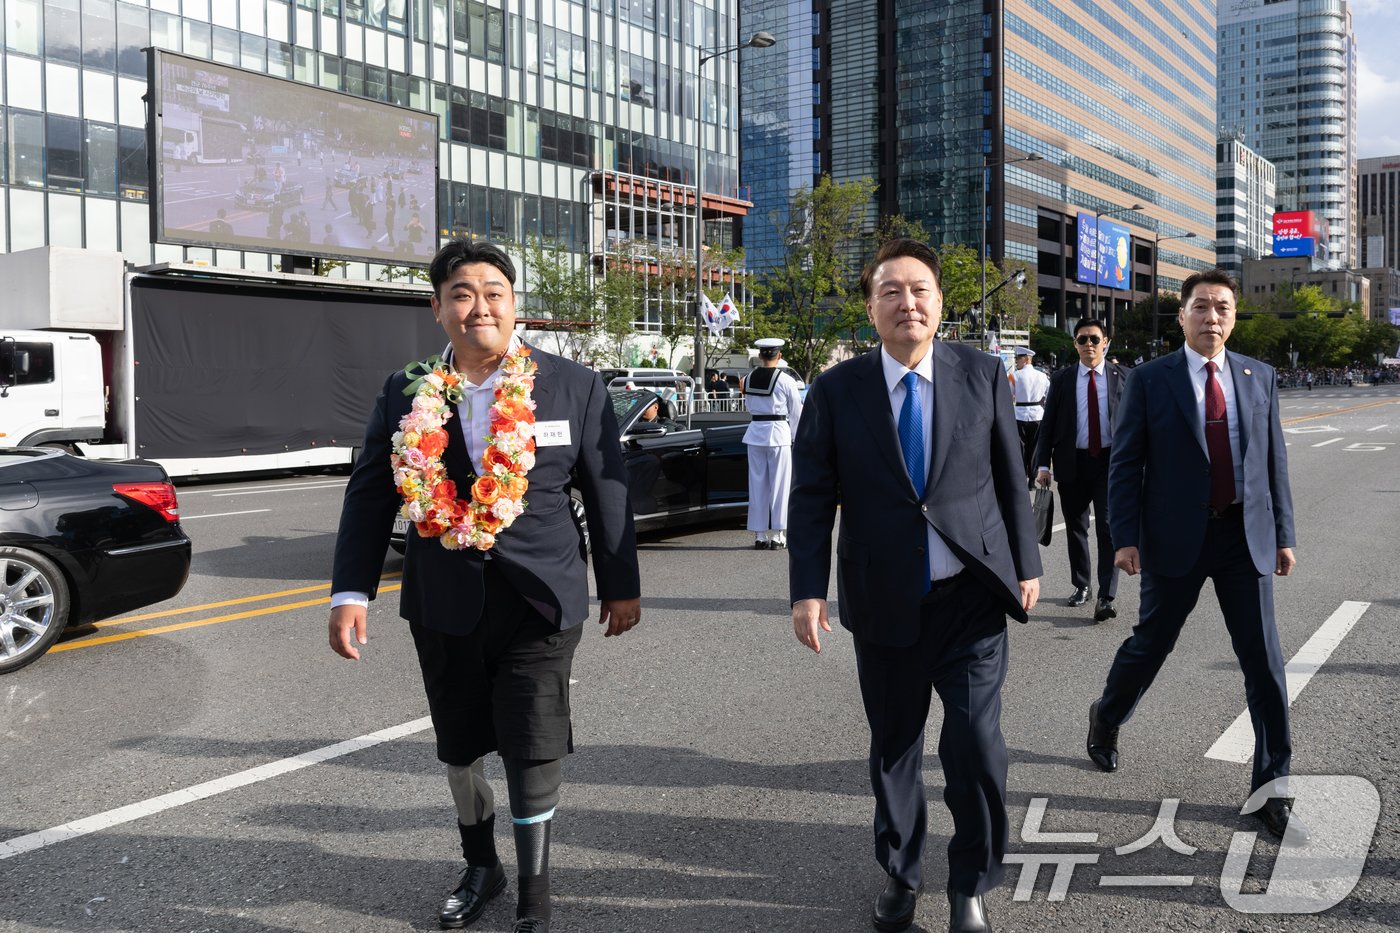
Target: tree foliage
561	287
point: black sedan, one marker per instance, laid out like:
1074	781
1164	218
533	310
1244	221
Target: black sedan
265	194
81	540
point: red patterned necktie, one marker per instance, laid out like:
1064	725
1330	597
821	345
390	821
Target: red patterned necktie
1222	466
1095	438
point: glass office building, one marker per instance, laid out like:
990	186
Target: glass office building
574	120
1380	212
1117	100
1287	86
1244	202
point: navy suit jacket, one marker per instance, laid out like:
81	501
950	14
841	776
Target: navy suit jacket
541	553
1055	444
847	450
1159	473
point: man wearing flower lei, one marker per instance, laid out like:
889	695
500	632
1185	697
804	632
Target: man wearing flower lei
479	450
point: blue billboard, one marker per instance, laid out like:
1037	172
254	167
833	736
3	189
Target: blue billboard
1304	246
1115	252
1088	250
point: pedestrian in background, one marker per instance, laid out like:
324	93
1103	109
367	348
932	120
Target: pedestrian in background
775	404
1030	386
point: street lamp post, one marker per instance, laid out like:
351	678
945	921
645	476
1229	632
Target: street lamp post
1157	242
759	40
1016	279
1098	258
982	253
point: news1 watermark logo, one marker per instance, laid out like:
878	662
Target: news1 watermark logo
1341	812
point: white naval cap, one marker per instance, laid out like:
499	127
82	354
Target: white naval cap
769	343
1024	351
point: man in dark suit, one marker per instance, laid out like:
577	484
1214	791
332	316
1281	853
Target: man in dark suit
918	441
1198	487
1076	438
495	624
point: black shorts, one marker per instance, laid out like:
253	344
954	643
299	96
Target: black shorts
504	686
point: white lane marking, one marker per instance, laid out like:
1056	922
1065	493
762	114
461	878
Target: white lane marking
142	808
185	518
255	492
1378	427
1332	441
1237	742
313	484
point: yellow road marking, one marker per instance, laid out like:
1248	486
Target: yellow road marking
1340	411
197	623
166	613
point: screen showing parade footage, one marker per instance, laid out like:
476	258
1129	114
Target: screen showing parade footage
246	161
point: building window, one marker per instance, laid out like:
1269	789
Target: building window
26	162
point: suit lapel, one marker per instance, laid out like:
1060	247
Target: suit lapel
1179	378
1115	388
947	381
872	400
1242	377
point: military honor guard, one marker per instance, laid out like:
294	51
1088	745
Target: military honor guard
1029	387
773	397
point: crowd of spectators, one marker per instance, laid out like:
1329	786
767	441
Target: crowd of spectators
1308	377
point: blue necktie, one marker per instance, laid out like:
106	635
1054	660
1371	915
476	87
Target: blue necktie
911	440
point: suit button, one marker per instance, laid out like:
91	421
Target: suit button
923	508
918	550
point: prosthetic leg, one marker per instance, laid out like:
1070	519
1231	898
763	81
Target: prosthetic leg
534	793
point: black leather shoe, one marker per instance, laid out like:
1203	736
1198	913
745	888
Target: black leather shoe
1277	816
531	925
1103	741
1103	610
479	885
967	914
894	908
1080	597
777	545
760	545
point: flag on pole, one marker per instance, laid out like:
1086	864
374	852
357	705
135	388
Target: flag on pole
709	314
728	311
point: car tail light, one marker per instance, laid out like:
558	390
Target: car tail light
158	496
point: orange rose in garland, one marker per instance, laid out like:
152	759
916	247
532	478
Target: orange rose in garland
497	497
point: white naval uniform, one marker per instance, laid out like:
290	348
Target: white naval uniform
1031	387
770	448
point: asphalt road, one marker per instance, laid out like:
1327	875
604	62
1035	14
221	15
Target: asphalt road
720	782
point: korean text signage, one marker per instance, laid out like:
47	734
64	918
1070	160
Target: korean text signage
1296	233
1088	250
1104	252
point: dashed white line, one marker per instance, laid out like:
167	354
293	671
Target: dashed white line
1332	441
135	811
185	518
1378	427
1237	743
254	492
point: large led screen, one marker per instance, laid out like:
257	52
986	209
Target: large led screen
1115	252
247	161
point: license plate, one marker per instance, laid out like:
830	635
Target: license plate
401	527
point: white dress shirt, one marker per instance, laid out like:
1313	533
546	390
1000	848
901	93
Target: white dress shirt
475	411
1081	401
1030	385
941	560
1196	365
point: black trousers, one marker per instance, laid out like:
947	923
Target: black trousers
1029	432
962	654
1246	599
1090	485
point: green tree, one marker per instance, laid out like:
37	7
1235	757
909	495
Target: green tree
962	280
1052	346
805	298
1016	307
561	287
1313	337
1377	337
1264	336
620	297
409	273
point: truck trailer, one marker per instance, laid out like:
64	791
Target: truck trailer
205	371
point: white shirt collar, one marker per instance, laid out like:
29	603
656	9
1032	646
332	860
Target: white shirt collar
1084	370
895	370
1197	362
515	342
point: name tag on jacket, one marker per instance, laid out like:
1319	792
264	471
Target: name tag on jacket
552	434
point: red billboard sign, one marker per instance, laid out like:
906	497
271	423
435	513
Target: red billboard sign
1296	225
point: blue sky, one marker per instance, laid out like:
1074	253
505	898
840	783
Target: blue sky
1377	25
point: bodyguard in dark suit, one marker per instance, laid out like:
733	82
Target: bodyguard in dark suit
917	440
1198	488
1076	439
495	624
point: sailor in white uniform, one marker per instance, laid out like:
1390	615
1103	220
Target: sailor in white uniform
773	396
1030	388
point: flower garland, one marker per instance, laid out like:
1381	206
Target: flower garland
430	499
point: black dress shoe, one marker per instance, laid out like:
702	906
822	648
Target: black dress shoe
894	908
1103	741
777	545
531	925
967	914
1080	597
760	545
479	885
1103	610
1277	816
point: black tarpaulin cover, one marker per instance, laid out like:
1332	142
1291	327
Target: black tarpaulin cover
226	368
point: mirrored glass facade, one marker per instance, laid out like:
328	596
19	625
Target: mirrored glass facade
537	99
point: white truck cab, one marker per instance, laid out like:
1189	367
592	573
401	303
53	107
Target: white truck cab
53	388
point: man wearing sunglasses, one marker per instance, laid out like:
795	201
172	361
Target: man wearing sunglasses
1076	438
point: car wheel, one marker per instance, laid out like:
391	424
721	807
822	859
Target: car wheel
33	606
581	520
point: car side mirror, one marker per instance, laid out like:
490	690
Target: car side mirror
647	429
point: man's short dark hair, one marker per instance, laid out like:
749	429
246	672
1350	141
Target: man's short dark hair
896	249
1215	276
1091	322
461	251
